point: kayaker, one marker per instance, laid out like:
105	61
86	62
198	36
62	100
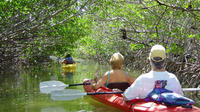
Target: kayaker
116	78
68	59
158	77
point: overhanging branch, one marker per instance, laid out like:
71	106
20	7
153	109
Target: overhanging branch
178	8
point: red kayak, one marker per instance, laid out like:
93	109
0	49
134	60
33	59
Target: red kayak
116	100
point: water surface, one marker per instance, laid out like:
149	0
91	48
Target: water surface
19	92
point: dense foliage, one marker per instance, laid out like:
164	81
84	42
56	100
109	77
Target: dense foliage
31	30
132	27
145	23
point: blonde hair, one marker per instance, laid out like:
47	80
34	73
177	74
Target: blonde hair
116	61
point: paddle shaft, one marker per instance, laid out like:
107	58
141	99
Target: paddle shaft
72	94
191	89
120	92
56	59
78	84
102	93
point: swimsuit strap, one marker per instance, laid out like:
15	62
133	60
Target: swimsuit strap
107	80
127	74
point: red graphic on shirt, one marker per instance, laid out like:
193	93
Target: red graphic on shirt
160	83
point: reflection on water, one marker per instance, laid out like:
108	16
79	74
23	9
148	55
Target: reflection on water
67	75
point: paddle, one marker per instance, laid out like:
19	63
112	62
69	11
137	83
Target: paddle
60	60
72	94
49	86
191	89
56	59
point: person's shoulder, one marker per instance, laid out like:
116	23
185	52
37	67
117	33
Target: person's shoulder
106	73
148	74
144	76
171	75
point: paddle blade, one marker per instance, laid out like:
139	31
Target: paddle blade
49	86
67	94
53	58
56	59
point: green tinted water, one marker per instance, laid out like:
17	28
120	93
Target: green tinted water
19	92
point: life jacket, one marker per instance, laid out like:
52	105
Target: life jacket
161	95
69	60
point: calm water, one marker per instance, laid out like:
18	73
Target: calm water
19	92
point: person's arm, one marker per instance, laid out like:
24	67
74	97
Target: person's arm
130	93
64	61
100	82
73	62
124	97
178	88
134	91
96	78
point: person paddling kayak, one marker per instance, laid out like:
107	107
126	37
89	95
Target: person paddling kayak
116	78
68	66
158	85
68	60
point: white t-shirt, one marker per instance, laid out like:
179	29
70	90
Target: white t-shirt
145	83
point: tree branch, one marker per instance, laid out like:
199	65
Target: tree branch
178	8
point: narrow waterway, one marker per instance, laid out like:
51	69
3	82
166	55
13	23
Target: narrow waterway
19	92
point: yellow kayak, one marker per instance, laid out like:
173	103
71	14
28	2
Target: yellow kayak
69	67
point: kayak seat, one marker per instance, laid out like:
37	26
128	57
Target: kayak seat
119	85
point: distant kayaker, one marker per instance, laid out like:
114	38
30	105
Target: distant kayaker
116	78
68	59
157	78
